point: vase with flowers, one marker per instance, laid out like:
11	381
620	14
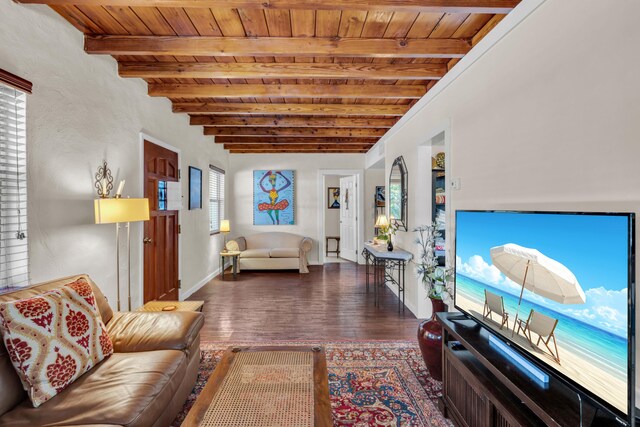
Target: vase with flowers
437	282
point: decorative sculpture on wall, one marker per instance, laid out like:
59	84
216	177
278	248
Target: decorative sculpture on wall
104	181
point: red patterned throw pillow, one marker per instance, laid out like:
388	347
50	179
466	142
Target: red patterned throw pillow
54	338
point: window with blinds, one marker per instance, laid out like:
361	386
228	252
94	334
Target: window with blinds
14	256
216	198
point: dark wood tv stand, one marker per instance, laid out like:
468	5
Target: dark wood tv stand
483	387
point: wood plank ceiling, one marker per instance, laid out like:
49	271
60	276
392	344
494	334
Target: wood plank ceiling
284	76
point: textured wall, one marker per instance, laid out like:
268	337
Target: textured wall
80	114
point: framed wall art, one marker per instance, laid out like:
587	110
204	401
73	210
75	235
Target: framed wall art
273	197
195	188
333	198
380	196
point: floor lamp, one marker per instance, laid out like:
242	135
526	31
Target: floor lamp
117	211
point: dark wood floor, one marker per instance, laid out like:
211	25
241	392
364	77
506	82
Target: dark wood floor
329	303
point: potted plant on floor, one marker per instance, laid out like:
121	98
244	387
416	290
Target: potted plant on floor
437	282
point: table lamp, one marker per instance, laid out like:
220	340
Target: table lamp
225	227
382	221
116	211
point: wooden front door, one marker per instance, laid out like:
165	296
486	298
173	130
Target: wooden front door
161	231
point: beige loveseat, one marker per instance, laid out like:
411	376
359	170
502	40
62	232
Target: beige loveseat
144	383
274	251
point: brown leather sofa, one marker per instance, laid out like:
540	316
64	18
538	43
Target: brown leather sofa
144	383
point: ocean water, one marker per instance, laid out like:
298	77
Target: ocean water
599	346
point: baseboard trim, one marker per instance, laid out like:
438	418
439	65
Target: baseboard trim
393	288
184	294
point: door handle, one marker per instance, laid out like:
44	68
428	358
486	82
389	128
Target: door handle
146	240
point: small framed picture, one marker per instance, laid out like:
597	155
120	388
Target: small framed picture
333	198
195	188
380	196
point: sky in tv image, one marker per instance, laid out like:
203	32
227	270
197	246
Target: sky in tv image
591	332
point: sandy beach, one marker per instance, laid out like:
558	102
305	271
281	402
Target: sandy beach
587	373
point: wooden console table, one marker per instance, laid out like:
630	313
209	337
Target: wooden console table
483	387
384	263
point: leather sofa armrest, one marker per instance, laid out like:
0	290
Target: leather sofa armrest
142	331
305	244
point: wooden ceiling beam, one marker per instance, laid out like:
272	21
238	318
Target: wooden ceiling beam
276	46
279	70
292	122
291	109
287	91
428	6
293	140
300	147
298	132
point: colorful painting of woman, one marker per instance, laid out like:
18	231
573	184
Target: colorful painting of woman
273	195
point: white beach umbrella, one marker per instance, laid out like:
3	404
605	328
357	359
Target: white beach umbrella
538	273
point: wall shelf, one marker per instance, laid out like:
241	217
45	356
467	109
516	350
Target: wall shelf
438	207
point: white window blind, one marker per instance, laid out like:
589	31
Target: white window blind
216	198
14	259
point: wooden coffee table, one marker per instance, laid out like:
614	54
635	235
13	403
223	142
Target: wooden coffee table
261	386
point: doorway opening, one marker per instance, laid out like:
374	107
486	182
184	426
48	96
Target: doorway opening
340	216
336	205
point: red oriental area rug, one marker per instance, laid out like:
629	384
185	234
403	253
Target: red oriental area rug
372	383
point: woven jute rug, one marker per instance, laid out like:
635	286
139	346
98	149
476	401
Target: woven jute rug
371	383
264	389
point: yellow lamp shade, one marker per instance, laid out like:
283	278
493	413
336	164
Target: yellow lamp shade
382	221
225	227
109	211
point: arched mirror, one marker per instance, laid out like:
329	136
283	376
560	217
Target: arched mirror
398	193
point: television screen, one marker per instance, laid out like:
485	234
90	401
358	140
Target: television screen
557	286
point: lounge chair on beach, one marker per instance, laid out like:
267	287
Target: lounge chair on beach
495	304
542	325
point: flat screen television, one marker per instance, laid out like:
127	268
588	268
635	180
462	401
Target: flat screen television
566	283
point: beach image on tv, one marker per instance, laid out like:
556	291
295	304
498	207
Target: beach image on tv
555	285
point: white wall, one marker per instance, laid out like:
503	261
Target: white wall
547	119
81	113
331	216
307	199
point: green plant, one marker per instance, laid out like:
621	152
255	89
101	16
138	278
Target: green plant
388	230
436	279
